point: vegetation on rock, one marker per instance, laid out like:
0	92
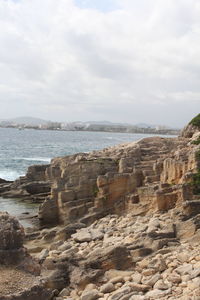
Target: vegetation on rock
196	183
196	142
196	177
197	155
196	121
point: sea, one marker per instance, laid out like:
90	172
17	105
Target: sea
20	149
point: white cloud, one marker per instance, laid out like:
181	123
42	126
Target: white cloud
134	63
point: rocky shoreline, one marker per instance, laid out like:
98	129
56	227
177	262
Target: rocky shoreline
121	223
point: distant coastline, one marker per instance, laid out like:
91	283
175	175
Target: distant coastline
111	129
105	126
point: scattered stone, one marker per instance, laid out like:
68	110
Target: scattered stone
185	269
65	292
117	279
156	293
174	278
160	285
152	280
42	255
117	295
136	277
107	288
90	295
195	273
139	287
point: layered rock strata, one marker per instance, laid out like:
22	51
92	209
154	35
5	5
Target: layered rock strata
144	176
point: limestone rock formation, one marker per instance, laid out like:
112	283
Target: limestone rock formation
144	176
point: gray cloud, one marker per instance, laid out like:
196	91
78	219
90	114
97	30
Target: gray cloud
137	61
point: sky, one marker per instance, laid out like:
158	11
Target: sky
133	61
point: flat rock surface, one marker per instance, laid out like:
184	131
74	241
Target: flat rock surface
13	281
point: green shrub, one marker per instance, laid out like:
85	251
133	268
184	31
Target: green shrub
196	183
197	155
197	142
196	121
95	191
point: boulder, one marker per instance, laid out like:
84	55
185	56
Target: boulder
11	240
107	288
87	235
57	279
90	295
36	187
113	257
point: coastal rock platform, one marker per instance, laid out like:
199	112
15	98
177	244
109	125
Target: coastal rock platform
119	224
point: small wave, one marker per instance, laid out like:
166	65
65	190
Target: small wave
45	159
10	174
116	139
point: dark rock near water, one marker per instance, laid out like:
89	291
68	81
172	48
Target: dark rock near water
36	187
5	181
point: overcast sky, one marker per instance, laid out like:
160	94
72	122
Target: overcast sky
117	60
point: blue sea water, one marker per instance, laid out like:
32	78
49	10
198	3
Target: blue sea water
20	149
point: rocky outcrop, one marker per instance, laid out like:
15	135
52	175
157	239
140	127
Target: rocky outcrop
144	176
34	186
11	240
189	131
192	128
15	261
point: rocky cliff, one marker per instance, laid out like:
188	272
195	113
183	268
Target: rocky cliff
145	176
